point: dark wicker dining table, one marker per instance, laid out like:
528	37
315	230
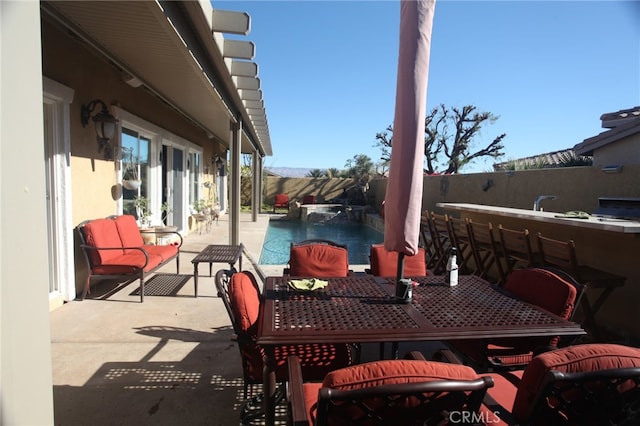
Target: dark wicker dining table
362	309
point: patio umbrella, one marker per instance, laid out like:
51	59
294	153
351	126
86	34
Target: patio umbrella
403	200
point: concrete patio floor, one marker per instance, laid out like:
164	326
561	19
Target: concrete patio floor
167	361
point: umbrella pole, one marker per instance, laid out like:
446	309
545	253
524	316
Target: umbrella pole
400	269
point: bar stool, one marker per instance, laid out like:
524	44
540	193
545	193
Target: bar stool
486	250
562	254
442	242
426	240
459	237
516	250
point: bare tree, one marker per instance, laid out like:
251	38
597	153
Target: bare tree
454	145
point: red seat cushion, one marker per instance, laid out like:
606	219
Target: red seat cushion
244	296
127	263
319	261
580	358
102	233
385	263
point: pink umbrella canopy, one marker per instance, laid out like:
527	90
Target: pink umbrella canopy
403	200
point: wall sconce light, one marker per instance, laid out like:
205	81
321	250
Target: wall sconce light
105	125
217	163
615	168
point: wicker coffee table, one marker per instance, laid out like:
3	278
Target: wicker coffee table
217	253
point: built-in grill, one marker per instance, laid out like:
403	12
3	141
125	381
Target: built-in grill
618	207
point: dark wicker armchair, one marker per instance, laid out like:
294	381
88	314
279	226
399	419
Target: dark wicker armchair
397	392
242	299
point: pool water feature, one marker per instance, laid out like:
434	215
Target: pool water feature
281	233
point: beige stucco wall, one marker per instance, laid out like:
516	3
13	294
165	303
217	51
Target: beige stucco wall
577	188
94	180
323	188
622	152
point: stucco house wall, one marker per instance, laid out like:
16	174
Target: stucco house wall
69	62
623	152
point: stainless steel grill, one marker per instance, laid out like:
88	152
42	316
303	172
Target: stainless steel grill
618	207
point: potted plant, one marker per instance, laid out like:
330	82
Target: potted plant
130	170
142	211
166	209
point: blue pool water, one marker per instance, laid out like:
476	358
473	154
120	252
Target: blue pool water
281	233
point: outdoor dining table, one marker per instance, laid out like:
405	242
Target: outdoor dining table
362	309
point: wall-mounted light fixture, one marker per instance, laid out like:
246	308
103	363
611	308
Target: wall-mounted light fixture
217	163
614	168
105	125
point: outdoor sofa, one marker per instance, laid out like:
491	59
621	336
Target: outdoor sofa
114	248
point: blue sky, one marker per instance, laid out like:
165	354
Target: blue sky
548	70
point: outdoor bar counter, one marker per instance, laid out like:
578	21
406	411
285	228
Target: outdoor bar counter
609	244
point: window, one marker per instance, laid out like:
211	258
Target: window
137	147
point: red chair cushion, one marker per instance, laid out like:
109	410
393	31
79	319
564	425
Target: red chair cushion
102	233
244	297
128	231
385	263
319	261
388	372
543	288
581	358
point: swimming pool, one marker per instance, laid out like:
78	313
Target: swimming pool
281	233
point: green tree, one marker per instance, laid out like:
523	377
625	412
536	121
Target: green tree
361	169
316	173
449	137
334	173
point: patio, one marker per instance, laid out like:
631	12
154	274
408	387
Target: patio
166	361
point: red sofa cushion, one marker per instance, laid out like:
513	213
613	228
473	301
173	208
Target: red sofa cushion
385	263
318	260
244	296
128	231
127	264
102	233
581	358
165	252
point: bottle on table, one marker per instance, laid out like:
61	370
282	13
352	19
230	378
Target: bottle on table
451	274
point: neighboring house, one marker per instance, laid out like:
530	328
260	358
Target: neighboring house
618	146
184	97
549	159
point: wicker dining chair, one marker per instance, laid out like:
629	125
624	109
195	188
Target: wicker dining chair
591	384
389	392
319	258
241	296
552	290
